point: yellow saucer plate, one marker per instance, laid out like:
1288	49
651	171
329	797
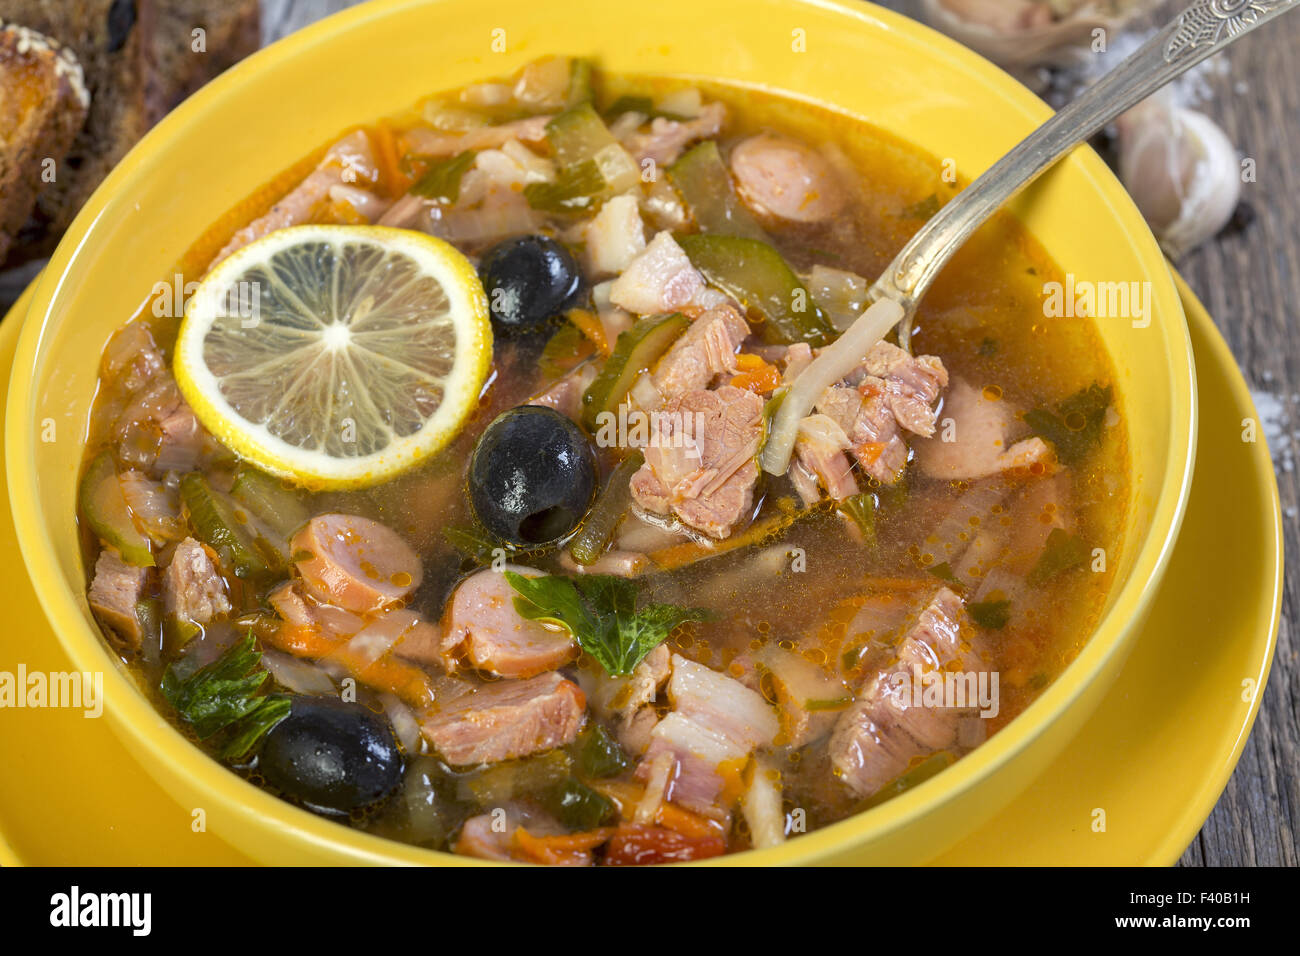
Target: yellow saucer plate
1133	787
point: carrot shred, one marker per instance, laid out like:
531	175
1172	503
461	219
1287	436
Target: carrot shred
678	555
869	451
340	212
565	848
408	682
589	325
395	182
670	817
756	375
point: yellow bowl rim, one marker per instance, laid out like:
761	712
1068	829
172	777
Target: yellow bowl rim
136	717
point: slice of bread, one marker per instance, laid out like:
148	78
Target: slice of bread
105	35
43	103
140	60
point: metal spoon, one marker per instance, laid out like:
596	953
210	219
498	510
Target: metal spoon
1204	28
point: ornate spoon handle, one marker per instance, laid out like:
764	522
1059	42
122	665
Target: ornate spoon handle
1203	29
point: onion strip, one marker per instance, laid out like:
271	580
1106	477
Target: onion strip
832	364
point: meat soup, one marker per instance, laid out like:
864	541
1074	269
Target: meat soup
542	603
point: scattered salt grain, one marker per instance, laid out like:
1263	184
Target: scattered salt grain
1275	421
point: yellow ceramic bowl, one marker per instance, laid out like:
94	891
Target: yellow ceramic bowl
377	59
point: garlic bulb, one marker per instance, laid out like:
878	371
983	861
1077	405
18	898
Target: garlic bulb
1019	35
1181	170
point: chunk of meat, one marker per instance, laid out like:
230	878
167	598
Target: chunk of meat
298	609
705	350
506	719
805	482
511	167
157	431
432	143
485	837
115	590
482	629
627	702
998	560
565	396
132	358
660	279
871	430
715	724
871	635
911	383
1044	506
421	642
614	236
958	518
403	631
880	735
349	162
806	696
193	588
795	358
780	178
374	648
665	139
355	563
977	445
820	448
155	508
699	465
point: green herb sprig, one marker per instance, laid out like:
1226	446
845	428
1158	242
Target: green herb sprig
225	697
1075	426
600	611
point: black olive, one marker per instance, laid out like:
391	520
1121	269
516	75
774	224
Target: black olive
333	756
528	281
532	476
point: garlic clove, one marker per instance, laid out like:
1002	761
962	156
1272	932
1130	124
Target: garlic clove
1181	170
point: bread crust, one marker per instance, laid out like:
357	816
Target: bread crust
43	104
138	64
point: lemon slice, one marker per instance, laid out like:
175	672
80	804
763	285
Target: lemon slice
336	356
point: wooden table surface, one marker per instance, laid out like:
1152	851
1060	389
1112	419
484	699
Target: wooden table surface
1249	278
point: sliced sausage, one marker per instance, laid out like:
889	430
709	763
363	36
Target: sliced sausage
777	177
355	563
482	629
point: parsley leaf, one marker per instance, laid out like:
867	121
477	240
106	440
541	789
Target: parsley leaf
472	542
861	509
224	696
600	611
990	615
442	179
1075	426
944	572
1061	552
598	754
923	209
